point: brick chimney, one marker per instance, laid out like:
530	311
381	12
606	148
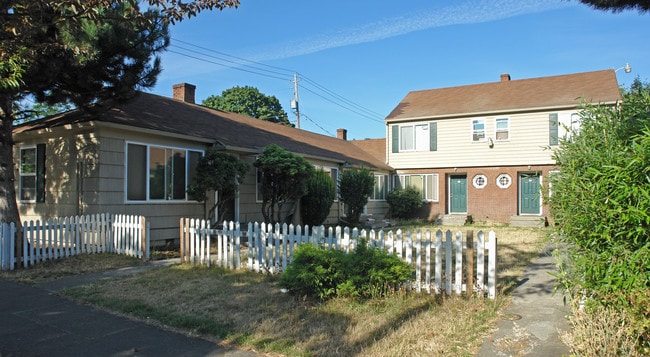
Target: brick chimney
184	92
505	77
342	134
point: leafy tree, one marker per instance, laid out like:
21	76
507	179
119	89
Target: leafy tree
283	178
218	171
315	205
618	5
601	203
81	52
355	187
249	101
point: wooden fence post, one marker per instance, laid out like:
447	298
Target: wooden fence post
143	238
183	238
469	288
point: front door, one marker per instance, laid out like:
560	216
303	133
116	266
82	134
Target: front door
458	194
529	193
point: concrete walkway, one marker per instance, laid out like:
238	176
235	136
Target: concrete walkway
536	317
35	321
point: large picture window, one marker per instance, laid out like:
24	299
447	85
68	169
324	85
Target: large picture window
32	174
159	173
426	184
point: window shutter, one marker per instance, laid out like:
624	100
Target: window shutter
40	173
395	139
433	136
552	129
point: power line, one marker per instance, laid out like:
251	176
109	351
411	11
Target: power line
274	72
344	106
369	111
315	123
238	68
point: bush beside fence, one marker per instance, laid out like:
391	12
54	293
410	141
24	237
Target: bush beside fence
63	237
269	248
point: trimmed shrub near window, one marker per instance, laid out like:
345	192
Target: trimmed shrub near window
404	202
315	205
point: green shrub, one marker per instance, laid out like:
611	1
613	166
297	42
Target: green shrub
315	205
313	272
601	204
355	187
364	273
404	202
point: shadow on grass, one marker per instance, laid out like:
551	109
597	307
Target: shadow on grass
248	310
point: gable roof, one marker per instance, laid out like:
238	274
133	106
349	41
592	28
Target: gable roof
233	131
374	147
564	91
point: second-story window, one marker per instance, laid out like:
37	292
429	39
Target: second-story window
478	130
416	137
502	128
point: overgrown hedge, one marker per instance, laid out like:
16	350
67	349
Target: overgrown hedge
601	203
364	273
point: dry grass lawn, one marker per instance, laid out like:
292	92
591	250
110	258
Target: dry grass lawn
248	310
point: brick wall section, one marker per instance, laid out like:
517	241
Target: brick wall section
490	204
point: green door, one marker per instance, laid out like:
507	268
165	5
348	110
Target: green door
529	194
458	194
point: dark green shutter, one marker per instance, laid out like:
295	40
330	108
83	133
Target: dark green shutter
395	141
40	173
433	136
552	129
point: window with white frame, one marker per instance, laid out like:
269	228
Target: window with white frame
504	181
502	128
380	189
479	181
414	137
32	174
159	173
478	130
426	184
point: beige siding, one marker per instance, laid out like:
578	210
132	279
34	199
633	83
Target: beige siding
64	157
527	144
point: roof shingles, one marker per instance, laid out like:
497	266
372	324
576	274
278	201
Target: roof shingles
509	96
236	132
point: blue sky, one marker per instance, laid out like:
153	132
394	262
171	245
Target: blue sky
356	61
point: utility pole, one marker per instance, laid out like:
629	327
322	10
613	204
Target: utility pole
294	101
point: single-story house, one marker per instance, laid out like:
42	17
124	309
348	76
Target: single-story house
484	151
138	158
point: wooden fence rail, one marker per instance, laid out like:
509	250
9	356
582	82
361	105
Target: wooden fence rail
268	248
67	236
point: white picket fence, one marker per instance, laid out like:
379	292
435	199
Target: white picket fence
268	248
63	237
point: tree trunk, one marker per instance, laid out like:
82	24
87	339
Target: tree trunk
8	206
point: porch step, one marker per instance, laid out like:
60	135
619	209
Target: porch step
454	220
528	221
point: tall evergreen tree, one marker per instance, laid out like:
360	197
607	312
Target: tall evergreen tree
82	52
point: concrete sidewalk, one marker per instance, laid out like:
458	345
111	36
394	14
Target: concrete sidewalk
536	317
35	321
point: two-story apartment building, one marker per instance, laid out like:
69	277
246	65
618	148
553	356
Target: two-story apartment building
484	151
